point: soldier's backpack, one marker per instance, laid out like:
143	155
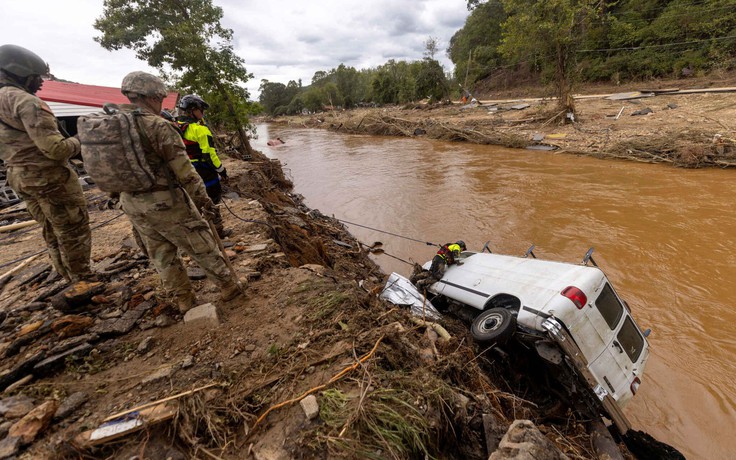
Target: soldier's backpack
112	150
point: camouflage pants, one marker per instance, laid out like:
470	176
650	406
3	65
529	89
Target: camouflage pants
165	226
55	200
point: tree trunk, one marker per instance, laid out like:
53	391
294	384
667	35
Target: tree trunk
564	90
241	132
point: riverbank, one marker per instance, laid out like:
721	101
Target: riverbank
232	385
650	124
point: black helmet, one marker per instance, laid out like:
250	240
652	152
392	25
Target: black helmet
461	243
21	62
192	101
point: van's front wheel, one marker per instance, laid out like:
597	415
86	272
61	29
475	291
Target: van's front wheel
494	325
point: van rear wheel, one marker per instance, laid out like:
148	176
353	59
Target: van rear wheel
493	325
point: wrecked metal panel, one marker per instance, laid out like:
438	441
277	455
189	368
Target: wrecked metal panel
400	291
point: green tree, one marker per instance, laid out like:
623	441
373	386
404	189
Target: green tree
186	38
550	32
474	48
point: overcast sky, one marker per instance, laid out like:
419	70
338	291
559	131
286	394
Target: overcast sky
280	40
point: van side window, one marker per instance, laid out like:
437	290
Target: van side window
609	306
630	339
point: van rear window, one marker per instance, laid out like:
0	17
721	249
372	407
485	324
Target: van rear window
630	339
609	306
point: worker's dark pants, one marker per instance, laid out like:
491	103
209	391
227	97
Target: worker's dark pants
423	279
212	184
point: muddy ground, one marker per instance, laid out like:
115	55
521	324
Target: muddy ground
386	385
683	129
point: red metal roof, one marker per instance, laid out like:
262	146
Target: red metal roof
89	95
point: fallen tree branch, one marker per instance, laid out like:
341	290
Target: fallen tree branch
153	403
335	378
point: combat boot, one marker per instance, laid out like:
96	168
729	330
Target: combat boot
230	291
186	302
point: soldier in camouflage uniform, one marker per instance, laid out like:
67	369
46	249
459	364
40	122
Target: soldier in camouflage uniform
36	155
167	217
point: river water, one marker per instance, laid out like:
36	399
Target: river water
664	236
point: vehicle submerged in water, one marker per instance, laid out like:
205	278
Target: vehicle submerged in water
569	314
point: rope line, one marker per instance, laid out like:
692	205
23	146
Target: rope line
256	221
428	243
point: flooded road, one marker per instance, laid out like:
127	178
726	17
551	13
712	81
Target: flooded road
666	238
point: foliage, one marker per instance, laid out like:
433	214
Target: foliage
186	42
474	48
605	40
345	87
552	31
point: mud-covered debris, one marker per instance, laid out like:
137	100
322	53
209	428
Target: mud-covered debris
163	321
164	372
524	440
76	296
145	345
187	362
70	404
49	365
16	406
33	422
21	369
71	325
119	326
492	431
68	344
14	386
256	248
644	111
9	446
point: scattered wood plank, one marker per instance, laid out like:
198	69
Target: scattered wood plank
123	426
16	226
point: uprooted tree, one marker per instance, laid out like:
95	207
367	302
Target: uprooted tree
185	40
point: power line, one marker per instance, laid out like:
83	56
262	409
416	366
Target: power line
634	48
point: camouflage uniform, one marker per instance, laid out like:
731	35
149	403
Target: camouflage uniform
167	218
36	155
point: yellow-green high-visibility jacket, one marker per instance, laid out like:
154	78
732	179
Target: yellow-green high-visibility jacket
199	143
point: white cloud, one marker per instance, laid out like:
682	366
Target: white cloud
280	40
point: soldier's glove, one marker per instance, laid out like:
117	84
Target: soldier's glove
113	202
208	210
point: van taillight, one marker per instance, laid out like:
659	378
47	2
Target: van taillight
577	296
635	385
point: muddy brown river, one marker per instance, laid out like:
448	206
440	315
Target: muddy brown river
666	238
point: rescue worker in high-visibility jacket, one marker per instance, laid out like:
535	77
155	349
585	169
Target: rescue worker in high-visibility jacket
446	255
201	150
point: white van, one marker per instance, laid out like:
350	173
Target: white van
570	312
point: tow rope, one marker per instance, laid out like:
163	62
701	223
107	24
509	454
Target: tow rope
428	243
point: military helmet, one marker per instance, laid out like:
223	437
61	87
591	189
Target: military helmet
21	62
144	84
461	243
192	101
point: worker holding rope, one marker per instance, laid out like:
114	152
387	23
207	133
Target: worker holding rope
446	255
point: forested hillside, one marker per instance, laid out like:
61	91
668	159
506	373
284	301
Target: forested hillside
509	42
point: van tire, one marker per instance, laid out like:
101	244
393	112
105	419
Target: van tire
493	325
